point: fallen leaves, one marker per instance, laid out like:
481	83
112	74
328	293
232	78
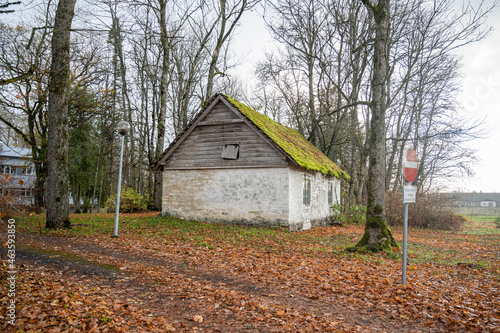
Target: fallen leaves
274	281
48	303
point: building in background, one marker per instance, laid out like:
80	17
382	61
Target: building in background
474	199
17	175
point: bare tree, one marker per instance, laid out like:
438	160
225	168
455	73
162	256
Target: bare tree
378	235
228	16
4	6
24	100
57	116
424	84
166	38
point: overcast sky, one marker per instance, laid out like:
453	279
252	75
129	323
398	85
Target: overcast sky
480	97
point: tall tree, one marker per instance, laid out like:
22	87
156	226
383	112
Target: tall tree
165	50
24	100
225	15
378	235
57	115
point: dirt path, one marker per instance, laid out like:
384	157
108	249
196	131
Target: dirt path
208	298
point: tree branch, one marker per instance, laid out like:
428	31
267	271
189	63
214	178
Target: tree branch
21	77
349	105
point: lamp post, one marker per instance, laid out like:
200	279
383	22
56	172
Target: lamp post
123	128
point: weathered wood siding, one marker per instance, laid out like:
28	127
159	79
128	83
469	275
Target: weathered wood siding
222	126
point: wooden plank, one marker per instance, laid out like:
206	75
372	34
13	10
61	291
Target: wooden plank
218	148
216	156
216	153
243	130
228	163
221	112
220	122
201	147
216	143
224	133
219	129
235	138
228	167
223	139
189	130
208	149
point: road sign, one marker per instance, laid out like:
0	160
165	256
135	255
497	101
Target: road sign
409	194
410	165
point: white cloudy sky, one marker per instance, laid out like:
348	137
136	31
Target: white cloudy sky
480	97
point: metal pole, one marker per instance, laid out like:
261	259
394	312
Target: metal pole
405	239
118	190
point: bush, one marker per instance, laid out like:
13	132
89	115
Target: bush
130	202
337	216
430	211
497	222
11	201
355	214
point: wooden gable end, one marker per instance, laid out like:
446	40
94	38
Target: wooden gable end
222	138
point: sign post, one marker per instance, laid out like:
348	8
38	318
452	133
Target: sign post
409	196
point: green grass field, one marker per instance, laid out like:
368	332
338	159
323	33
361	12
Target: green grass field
477	211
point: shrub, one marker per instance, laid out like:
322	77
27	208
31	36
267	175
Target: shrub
430	211
354	214
497	222
130	201
11	202
357	214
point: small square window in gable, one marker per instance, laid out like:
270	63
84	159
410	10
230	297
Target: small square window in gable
230	152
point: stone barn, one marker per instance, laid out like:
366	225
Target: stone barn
234	165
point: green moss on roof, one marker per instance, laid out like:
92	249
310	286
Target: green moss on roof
292	142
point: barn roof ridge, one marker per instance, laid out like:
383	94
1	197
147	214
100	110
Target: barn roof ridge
294	144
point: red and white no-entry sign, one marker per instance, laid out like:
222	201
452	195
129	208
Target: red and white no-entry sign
410	165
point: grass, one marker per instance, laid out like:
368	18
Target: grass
478	243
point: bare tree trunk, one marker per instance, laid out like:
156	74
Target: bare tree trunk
57	118
378	235
238	10
158	175
129	169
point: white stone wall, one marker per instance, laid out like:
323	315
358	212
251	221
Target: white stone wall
302	217
253	196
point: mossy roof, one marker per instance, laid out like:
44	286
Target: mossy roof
294	144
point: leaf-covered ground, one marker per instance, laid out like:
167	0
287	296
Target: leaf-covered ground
166	274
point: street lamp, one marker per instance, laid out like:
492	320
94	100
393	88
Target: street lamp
123	128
